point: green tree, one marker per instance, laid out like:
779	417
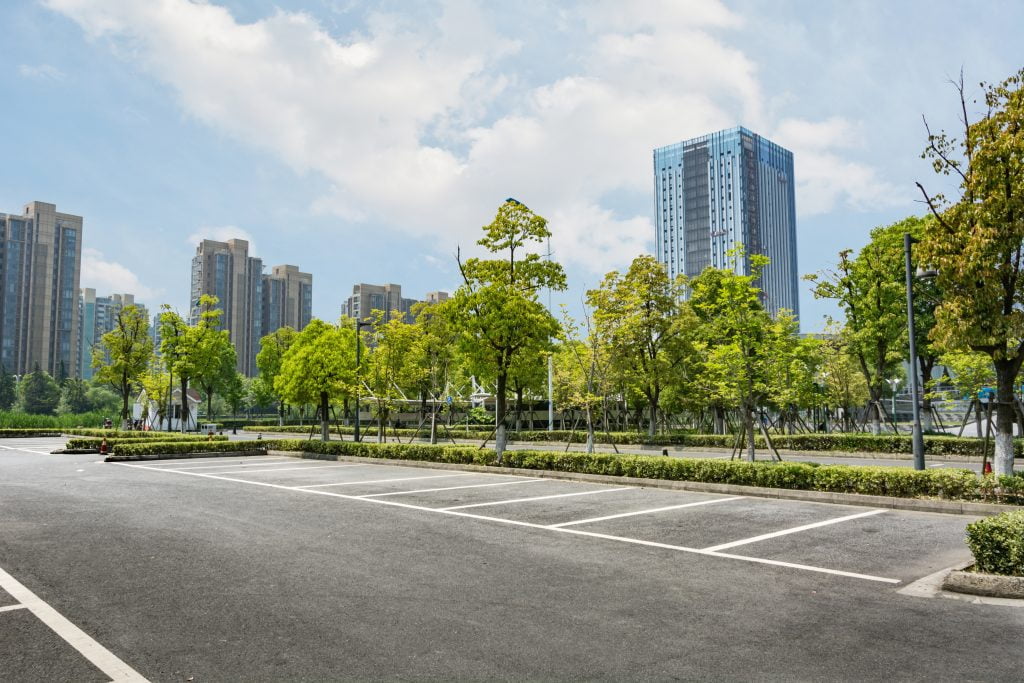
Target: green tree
103	399
8	389
971	372
745	348
841	376
319	367
213	361
185	349
500	314
582	371
648	328
74	397
38	393
156	383
388	366
434	356
272	349
123	355
977	244
258	394
871	291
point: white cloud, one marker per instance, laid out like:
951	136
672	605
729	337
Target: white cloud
396	116
109	277
824	179
222	233
41	72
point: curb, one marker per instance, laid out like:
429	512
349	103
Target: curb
989	585
953	507
183	456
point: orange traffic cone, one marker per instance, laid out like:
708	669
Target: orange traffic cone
987	469
103	446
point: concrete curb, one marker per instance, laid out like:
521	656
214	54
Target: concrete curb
182	456
954	507
989	585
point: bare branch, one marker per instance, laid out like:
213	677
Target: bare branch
931	207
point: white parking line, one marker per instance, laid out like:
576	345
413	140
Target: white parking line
644	512
513	522
451	488
100	656
11	608
796	529
385	481
168	466
527	500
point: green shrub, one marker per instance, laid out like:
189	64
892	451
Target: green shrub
138	448
94	443
28	432
998	543
12	419
137	435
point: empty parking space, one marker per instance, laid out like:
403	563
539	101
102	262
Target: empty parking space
848	541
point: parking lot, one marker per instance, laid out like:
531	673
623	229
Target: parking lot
263	567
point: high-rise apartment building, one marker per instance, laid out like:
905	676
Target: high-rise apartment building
40	267
386	298
225	270
716	191
98	315
287	299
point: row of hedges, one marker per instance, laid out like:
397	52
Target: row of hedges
139	448
998	543
93	443
16	433
853	443
136	435
902	482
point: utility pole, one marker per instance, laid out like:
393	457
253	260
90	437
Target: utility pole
917	440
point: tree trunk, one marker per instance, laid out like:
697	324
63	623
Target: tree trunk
519	409
325	425
1006	373
433	424
590	429
184	405
653	408
280	413
748	424
719	420
500	436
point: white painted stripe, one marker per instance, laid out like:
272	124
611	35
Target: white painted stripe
224	462
168	466
100	656
286	469
644	512
11	608
386	481
531	525
451	488
796	529
527	500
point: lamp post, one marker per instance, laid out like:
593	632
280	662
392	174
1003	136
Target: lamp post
360	324
917	440
894	383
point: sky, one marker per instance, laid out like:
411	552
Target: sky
369	141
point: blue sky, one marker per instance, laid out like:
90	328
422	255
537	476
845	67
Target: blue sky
364	142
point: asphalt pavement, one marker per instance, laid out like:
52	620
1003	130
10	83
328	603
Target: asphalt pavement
274	568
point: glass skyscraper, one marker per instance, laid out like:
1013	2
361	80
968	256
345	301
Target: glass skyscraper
723	189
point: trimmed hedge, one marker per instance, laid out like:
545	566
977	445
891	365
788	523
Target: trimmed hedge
901	482
998	543
94	443
28	432
169	447
852	443
137	435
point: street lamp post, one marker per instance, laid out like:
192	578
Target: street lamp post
360	324
916	438
894	383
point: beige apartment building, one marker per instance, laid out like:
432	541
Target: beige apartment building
387	298
287	298
40	269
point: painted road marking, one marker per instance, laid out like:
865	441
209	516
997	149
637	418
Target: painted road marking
796	529
171	465
385	481
644	512
101	657
11	608
531	525
452	488
280	469
527	500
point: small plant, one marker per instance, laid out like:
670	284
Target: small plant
998	543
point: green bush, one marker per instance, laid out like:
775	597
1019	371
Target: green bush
137	435
901	482
112	441
12	419
998	543
28	432
136	448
